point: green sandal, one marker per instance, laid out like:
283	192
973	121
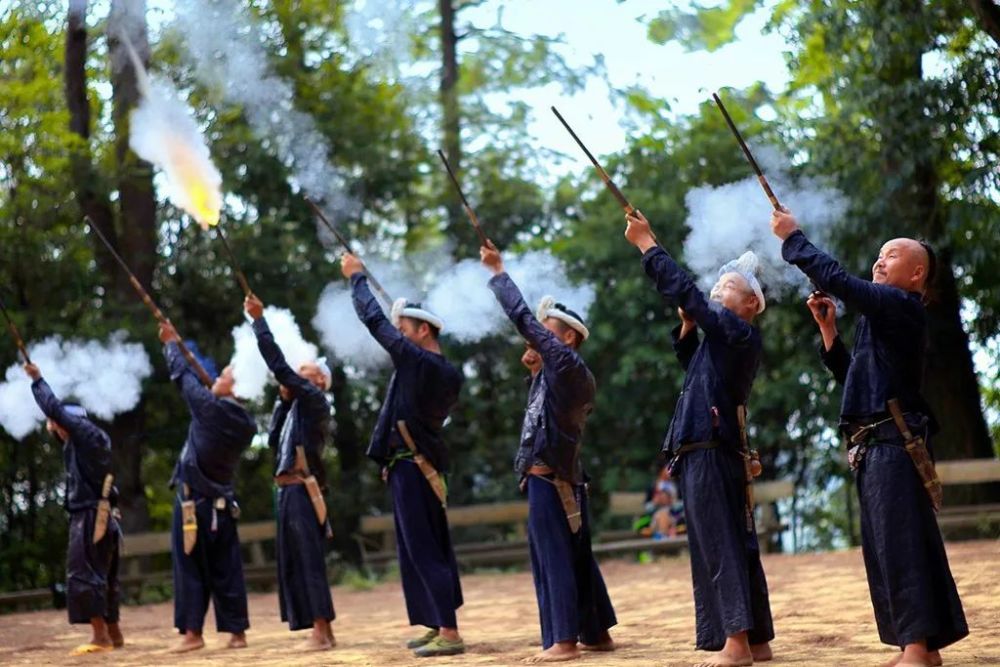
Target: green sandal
424	639
440	646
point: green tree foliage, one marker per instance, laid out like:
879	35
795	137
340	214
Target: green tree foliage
914	148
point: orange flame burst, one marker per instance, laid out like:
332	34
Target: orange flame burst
197	190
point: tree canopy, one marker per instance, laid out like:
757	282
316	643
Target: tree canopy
893	101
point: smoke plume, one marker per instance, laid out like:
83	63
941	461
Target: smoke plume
727	220
105	378
226	50
458	293
250	373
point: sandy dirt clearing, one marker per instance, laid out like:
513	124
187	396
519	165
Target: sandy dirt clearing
820	602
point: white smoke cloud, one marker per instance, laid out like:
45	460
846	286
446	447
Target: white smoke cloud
342	332
105	378
226	50
250	373
162	131
382	31
727	220
458	293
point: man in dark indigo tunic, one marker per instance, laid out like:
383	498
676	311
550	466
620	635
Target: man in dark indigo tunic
916	604
573	603
422	392
301	419
732	610
221	429
92	591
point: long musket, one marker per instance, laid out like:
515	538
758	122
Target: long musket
347	246
760	177
615	192
746	151
15	334
465	202
240	276
153	308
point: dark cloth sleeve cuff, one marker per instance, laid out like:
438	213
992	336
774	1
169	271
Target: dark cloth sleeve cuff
175	360
260	326
793	245
648	256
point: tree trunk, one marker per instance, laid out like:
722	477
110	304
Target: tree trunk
137	240
125	430
950	383
988	13
458	228
93	200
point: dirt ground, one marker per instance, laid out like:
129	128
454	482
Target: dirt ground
820	602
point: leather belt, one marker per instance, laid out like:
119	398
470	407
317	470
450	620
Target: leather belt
692	446
540	470
288	479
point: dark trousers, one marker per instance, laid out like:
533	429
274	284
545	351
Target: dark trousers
427	564
92	589
303	589
911	586
213	570
730	591
573	602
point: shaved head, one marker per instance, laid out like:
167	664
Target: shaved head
904	263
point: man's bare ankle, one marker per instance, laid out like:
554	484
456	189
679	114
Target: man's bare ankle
451	634
558	652
761	652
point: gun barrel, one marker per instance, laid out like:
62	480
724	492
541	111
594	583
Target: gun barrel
465	202
347	246
240	276
746	151
615	192
153	308
15	334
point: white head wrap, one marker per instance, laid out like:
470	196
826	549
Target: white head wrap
324	368
403	308
548	307
747	265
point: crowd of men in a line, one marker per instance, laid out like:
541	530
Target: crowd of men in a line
884	419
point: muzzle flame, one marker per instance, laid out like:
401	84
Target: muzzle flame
196	192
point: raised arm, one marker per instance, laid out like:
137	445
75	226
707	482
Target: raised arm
80	428
370	313
199	399
275	360
675	284
827	273
555	354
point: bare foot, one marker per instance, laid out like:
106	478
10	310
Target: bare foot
189	642
115	632
238	640
917	655
722	659
315	643
329	636
761	652
558	652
